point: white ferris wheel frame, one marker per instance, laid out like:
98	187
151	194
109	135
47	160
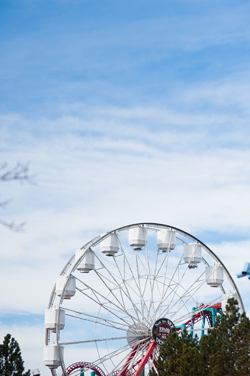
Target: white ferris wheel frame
181	236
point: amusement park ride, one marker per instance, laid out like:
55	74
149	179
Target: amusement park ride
123	293
245	271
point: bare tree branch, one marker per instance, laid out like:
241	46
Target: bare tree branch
20	172
18	227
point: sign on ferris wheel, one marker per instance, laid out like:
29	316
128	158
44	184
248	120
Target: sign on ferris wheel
162	329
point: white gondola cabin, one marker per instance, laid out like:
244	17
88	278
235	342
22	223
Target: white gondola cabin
166	240
51	319
214	275
69	282
51	357
88	262
110	245
192	254
137	237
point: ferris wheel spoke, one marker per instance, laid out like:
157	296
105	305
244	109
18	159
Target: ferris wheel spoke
138	290
166	288
96	319
104	299
193	289
189	294
124	349
111	356
122	292
120	302
151	276
111	311
127	295
155	276
139	281
165	308
126	262
164	281
115	279
155	283
142	301
183	275
92	341
178	284
151	286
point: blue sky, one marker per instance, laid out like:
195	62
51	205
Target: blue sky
59	52
127	111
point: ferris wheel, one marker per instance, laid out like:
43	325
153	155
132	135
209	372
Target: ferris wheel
123	293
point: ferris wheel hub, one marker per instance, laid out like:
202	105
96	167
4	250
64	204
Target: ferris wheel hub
137	332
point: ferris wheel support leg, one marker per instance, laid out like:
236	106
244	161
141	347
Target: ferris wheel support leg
145	358
213	316
203	325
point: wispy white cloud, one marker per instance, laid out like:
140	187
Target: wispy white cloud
89	185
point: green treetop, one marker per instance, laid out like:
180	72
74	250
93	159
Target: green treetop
11	362
223	351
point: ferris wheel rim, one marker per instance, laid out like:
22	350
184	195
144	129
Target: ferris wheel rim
160	225
151	226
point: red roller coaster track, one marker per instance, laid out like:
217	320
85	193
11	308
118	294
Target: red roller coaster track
204	311
98	371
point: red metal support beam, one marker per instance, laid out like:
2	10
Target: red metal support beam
127	364
145	358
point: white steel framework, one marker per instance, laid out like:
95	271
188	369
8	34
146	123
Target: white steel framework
109	320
